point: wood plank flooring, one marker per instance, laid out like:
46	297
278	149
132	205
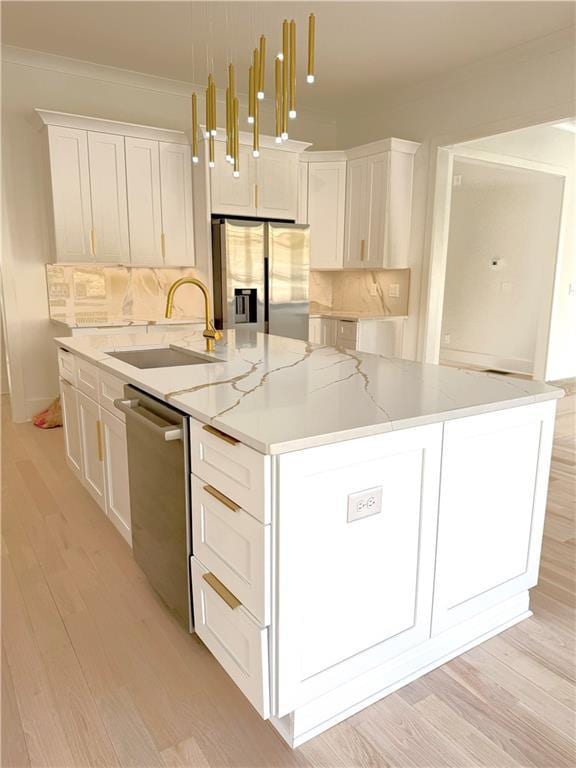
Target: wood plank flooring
96	673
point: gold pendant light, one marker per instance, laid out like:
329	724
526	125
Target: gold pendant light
310	77
278	83
292	69
194	129
261	68
285	77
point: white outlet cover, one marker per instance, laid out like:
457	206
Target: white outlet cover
394	291
364	504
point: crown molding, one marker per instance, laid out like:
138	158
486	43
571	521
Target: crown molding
268	142
383	145
324	156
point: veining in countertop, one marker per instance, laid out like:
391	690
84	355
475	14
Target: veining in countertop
277	394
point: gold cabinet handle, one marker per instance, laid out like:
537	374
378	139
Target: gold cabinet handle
222	499
362	244
222	435
100	441
163	246
230	599
256	196
93	241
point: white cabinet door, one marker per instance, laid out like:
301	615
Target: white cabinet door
144	213
492	502
116	473
315	330
92	448
233	196
176	193
377	210
70	174
69	404
108	193
371	600
326	212
329	332
302	212
356	225
276	177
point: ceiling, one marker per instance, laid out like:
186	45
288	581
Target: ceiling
364	50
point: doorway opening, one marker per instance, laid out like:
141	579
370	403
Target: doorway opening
504	256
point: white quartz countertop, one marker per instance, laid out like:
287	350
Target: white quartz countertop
278	395
93	320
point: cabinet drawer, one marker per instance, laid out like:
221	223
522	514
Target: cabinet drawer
87	378
234	638
234	546
111	388
235	470
67	366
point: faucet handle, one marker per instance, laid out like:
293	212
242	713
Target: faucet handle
212	333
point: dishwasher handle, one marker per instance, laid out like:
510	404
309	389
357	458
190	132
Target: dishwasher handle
133	409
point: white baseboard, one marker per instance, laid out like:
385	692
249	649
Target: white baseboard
483	360
317	716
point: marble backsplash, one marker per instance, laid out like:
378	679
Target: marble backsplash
361	290
103	293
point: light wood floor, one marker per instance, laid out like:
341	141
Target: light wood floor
96	673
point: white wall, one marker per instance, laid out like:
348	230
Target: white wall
38	80
511	215
532	83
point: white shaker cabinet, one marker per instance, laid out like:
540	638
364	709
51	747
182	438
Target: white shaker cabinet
92	448
326	213
117	489
230	195
70	176
276	180
69	403
144	210
379	205
176	198
109	236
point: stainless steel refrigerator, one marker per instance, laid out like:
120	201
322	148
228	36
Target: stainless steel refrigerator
261	272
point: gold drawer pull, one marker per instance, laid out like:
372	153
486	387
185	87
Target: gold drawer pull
163	245
221	435
93	241
362	244
222	499
230	599
99	439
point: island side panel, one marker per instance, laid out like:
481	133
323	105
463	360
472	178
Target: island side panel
353	593
495	469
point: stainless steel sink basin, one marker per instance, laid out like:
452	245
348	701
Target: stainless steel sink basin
161	357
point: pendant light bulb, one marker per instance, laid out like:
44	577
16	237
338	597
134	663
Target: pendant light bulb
280	56
213	132
251	119
228	158
283	136
260	95
212	164
292	114
278	139
195	159
309	78
236	174
256	153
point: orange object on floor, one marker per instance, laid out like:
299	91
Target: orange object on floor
49	418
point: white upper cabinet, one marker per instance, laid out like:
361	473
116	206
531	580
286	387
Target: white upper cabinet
378	205
70	192
230	195
144	211
176	196
122	193
109	236
276	179
326	211
267	186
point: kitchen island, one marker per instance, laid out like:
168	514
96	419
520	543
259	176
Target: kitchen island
356	521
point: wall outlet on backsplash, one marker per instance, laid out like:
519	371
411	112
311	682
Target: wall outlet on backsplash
373	290
394	291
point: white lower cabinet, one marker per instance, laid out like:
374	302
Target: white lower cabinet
69	402
92	448
116	473
233	636
491	510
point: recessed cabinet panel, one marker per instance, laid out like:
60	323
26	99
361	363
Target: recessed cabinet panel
375	570
116	473
326	211
377	196
71	427
109	237
176	193
70	193
276	177
144	212
356	214
92	448
491	510
233	196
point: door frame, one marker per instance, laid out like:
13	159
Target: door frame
443	152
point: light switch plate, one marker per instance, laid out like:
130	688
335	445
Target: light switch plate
364	504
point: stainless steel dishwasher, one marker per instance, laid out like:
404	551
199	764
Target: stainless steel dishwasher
159	472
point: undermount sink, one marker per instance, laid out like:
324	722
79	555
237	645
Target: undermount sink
160	357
